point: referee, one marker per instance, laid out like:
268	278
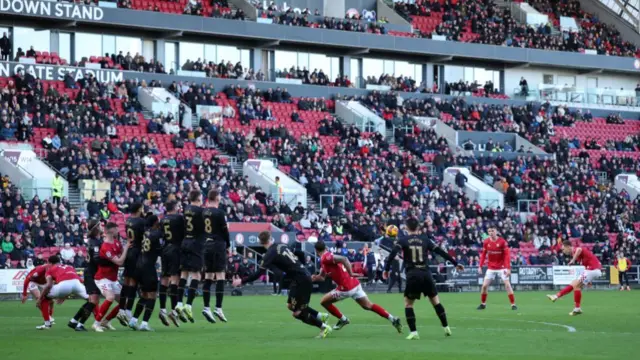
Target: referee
622	264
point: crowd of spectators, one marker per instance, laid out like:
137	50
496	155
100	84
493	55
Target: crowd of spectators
207	8
224	70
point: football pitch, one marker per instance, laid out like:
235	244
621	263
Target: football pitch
261	327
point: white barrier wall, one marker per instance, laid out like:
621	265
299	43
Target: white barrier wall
628	183
354	113
28	172
263	173
475	188
156	100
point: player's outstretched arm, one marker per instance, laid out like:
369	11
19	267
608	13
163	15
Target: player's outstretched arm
345	262
253	277
319	277
438	250
391	257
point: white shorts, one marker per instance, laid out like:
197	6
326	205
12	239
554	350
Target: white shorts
492	274
106	285
588	276
33	286
68	287
355	293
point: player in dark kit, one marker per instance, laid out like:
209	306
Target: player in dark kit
173	231
282	258
146	274
415	248
93	252
135	233
215	254
191	261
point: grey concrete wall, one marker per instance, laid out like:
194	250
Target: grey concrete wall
607	16
385	11
250	11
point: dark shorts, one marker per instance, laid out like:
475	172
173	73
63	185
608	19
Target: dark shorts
191	259
147	278
90	285
300	293
420	282
215	256
130	263
170	261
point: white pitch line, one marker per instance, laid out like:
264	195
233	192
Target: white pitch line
570	329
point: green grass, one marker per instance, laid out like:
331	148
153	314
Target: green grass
262	327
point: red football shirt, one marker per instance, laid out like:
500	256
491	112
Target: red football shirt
60	273
588	260
338	273
107	269
36	275
497	253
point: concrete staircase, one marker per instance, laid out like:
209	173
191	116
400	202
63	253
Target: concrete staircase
74	197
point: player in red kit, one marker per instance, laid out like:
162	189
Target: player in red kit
339	269
62	281
593	270
112	255
34	281
496	250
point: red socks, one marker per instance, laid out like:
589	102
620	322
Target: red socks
483	298
380	311
113	313
577	296
565	291
51	308
334	311
44	309
103	310
512	299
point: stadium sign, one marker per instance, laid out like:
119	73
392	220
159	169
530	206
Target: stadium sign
534	275
51	72
49	8
467	277
250	238
12	280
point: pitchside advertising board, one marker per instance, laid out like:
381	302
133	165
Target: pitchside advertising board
50	72
250	239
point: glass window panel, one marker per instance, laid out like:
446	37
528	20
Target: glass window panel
109	46
87	45
129	44
285	60
355	71
148	49
319	62
389	67
335	68
418	72
24	38
468	75
245	58
228	53
210	52
170	56
453	73
303	60
372	67
64	46
403	68
190	51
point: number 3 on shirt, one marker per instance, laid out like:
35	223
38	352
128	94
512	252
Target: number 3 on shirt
189	223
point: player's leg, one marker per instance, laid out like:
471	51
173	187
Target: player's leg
220	279
193	290
206	295
44	310
410	316
182	283
484	291
327	302
162	293
105	289
363	300
148	309
440	312
299	298
509	289
83	314
173	296
626	281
